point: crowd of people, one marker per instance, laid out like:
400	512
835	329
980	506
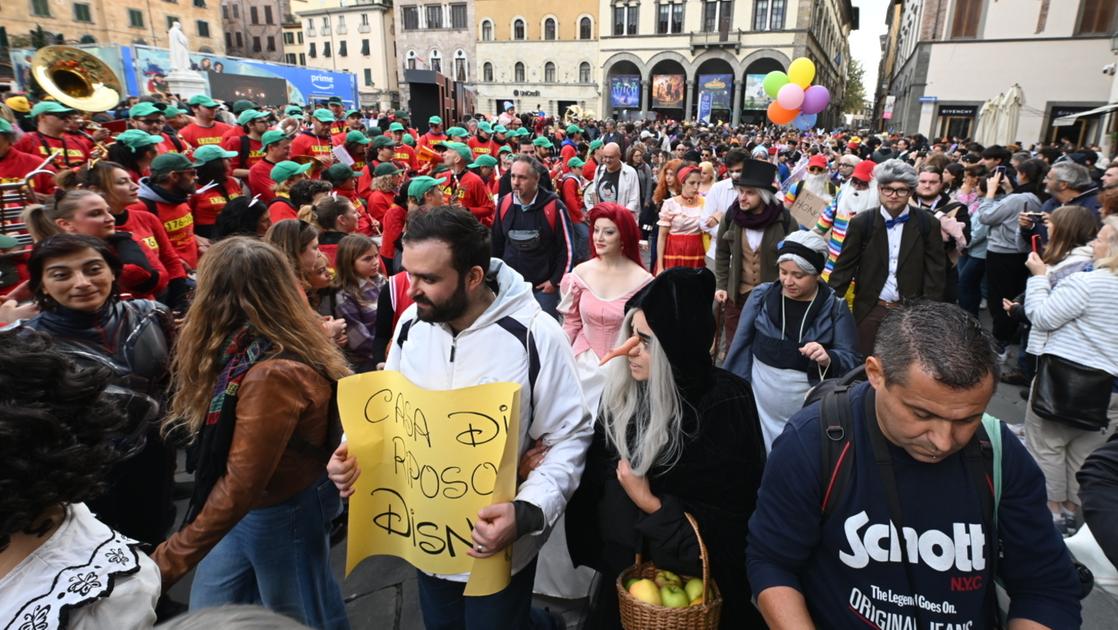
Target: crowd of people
813	392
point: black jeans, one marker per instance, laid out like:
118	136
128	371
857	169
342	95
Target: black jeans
1006	275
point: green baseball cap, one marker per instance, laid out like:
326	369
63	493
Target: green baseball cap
334	100
403	114
523	132
387	168
139	110
250	115
357	136
435	120
50	107
337	173
324	115
596	144
271	137
420	185
241	105
383	141
504	149
500	129
484	127
136	139
573	129
575	162
173	111
292	110
374	132
171	163
5	126
543	142
211	152
461	149
287	169
408	140
202	99
352	112
396	127
457	131
483	160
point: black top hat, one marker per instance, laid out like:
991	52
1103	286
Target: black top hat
757	174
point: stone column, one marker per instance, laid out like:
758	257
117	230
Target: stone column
736	106
644	98
687	113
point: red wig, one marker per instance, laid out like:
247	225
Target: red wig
626	227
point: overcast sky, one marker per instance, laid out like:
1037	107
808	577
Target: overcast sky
865	43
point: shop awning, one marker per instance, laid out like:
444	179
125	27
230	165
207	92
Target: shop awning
1066	121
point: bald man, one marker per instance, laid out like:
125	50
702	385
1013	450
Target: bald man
615	181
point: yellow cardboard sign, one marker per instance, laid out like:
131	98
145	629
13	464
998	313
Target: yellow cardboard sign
429	461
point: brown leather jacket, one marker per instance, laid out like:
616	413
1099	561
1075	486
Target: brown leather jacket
278	399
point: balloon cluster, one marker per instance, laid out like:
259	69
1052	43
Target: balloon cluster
797	101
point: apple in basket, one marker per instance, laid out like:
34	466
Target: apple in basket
664	578
646	591
674	596
694	589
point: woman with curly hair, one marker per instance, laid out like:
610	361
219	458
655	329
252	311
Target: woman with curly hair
74	281
667	186
253	377
61	567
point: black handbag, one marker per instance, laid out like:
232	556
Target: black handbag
1072	394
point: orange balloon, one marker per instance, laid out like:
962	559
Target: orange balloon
780	116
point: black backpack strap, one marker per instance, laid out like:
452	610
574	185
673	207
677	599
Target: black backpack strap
403	336
242	155
978	457
150	204
837	447
523	335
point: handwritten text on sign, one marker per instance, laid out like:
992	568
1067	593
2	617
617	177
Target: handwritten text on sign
429	461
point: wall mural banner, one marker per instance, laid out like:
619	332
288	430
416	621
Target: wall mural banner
625	91
718	86
667	91
754	94
144	70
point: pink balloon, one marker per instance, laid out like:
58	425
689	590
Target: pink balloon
790	96
816	99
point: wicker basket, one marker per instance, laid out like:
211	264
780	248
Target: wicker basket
637	615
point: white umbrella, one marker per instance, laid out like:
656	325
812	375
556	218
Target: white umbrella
1009	114
984	132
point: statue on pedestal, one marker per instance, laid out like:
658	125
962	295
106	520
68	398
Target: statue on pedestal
180	48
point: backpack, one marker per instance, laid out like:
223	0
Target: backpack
522	333
550	211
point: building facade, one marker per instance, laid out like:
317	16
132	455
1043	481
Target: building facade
951	56
538	56
355	36
254	28
436	35
294	39
103	22
667	57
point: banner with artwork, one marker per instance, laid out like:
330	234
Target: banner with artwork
144	69
754	93
718	86
625	91
667	91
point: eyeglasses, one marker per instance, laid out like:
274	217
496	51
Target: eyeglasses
151	121
891	191
859	184
816	170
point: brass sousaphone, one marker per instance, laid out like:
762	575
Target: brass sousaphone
76	78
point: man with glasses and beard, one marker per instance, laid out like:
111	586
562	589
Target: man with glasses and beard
856	195
892	255
817	181
49	137
148	118
165	193
480	312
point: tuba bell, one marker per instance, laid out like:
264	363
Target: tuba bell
76	78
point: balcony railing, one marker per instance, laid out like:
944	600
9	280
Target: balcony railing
730	39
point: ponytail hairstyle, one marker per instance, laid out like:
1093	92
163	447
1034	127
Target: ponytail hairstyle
291	237
328	208
41	219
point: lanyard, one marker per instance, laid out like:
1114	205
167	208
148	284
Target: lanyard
49	149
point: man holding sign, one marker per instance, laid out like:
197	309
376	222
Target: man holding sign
475	322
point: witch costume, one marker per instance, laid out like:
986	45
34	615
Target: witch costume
715	479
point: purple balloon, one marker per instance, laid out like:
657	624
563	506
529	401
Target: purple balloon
816	99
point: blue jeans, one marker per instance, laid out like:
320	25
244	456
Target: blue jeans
278	557
549	302
581	236
971	273
446	608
